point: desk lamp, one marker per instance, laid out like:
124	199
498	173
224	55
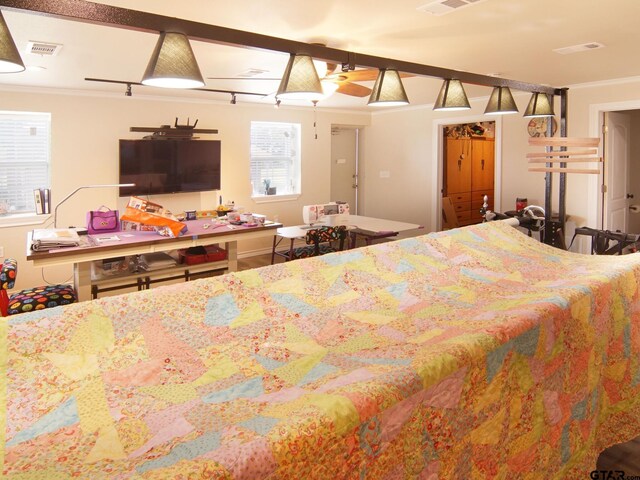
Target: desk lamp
55	211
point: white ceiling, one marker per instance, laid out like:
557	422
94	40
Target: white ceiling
511	38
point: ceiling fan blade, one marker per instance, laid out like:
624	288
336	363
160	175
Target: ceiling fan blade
353	89
331	68
243	78
365	75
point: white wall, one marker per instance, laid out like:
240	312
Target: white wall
85	132
402	142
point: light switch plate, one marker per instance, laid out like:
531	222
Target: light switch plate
1	252
385	174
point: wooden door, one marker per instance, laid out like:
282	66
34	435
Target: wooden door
458	175
482	165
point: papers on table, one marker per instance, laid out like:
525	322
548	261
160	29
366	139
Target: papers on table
46	239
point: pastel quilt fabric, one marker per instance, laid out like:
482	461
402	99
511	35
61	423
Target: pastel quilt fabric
473	353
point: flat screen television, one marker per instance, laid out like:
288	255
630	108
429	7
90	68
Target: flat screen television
169	166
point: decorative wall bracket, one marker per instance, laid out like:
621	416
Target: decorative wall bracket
185	131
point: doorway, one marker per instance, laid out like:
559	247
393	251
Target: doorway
345	149
615	194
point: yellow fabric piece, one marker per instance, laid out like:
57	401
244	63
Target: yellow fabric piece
295	370
249	314
107	447
94	335
490	432
174	393
220	366
76	367
339	409
93	409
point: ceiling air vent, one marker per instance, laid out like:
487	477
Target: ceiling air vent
442	7
43	48
579	48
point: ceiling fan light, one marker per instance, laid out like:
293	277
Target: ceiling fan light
388	90
501	102
540	105
173	64
452	97
300	80
10	61
329	87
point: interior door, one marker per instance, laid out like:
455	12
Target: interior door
458	166
617	145
344	166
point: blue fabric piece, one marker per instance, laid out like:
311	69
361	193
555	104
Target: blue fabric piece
475	275
249	389
267	362
318	371
495	359
565	445
626	340
260	425
221	310
293	303
404	266
206	442
397	290
579	410
527	343
346	257
63	416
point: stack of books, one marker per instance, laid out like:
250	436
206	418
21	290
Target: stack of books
49	238
42	198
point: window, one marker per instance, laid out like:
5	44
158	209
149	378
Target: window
24	159
275	158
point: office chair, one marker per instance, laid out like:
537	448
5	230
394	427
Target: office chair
31	299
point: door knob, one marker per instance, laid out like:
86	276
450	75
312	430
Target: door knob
629	195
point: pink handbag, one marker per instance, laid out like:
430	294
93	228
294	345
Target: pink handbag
103	220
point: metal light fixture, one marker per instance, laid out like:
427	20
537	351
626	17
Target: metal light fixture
452	97
300	80
10	61
539	106
388	90
173	64
501	102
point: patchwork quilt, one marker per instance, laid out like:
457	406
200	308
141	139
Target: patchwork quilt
472	353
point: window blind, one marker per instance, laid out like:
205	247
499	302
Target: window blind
24	158
275	157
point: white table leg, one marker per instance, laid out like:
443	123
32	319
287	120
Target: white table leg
232	256
82	280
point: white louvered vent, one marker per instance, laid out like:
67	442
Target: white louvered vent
43	48
442	7
579	48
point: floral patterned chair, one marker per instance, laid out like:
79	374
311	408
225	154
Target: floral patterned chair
37	298
319	241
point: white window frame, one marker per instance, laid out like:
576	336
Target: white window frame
25	163
275	154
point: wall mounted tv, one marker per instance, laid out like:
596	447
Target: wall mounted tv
169	166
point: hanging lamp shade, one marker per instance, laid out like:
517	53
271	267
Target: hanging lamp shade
388	90
173	64
501	102
10	61
452	97
300	80
539	106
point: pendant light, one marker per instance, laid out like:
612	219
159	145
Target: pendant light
388	90
452	97
300	80
539	106
501	102
10	61
173	64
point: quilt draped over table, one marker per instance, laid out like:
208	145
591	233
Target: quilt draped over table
472	353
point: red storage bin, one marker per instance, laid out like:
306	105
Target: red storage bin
196	255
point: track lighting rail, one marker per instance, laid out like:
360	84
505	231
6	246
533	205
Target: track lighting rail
100	14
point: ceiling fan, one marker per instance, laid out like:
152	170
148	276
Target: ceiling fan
343	80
